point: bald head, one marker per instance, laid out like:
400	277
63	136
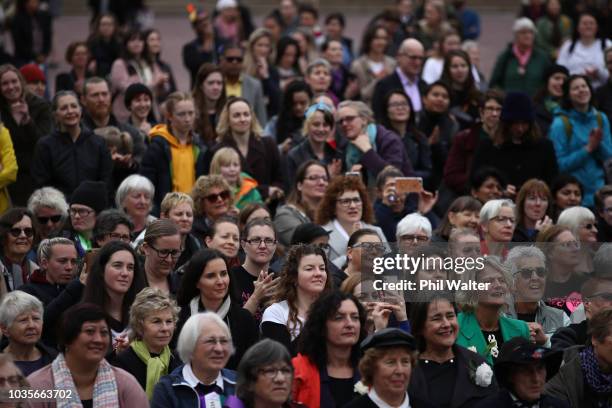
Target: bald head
410	57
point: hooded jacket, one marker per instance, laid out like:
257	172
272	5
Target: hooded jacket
247	193
41	288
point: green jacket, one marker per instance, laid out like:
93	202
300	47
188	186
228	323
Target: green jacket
471	335
506	73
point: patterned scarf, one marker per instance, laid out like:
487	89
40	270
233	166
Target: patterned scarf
105	393
599	382
156	366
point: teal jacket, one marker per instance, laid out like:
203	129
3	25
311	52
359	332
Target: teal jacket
471	335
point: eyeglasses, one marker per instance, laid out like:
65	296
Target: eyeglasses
213	198
414	238
590	226
16	232
603	295
348	119
271	372
373	247
527	273
45	220
213	341
257	241
119	237
233	60
81	212
164	253
13	380
504	220
317	178
569	245
398	105
346	202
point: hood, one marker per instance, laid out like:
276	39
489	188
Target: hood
247	180
163	132
38	276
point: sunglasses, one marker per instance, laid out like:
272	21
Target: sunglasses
590	226
233	60
16	232
44	220
212	198
527	273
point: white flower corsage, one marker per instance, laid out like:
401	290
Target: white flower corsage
360	388
483	375
473	348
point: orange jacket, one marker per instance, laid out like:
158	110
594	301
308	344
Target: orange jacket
306	381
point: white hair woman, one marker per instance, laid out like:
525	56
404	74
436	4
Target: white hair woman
412	230
135	197
205	345
497	221
582	223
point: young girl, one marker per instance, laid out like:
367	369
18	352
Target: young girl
226	162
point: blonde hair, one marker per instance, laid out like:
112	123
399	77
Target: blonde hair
202	187
223	157
173	199
224	132
147	302
250	64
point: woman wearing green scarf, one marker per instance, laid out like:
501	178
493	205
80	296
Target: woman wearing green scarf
153	317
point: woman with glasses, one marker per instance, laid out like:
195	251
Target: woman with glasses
134	197
162	248
303	279
80	368
306	195
412	231
581	221
212	199
50	210
224	236
112	225
16	237
178	208
345	208
497	223
532	210
206	287
205	346
11	378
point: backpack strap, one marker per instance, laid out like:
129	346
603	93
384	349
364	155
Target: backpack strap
567	125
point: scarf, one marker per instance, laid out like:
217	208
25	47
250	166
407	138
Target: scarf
156	366
599	382
194	306
353	154
105	393
522	57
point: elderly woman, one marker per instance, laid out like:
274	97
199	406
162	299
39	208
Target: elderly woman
521	66
16	236
49	207
21	323
443	365
212	198
370	147
135	197
532	209
412	230
329	351
178	207
463	212
153	317
345	208
482	324
162	249
205	345
205	287
497	223
85	339
527	265
581	221
389	356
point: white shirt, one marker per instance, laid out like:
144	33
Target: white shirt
279	313
382	404
193	381
585	57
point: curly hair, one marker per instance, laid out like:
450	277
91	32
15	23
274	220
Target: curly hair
287	285
313	340
339	185
202	187
149	301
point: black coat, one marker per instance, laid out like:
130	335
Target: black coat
502	399
365	402
104	53
64	164
41	289
389	83
130	362
573	335
70	296
22	31
194	56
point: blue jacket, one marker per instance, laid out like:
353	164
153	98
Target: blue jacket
572	156
172	391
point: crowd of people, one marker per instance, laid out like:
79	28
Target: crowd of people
210	247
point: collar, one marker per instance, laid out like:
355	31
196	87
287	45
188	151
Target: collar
192	380
382	404
522	404
404	79
341	230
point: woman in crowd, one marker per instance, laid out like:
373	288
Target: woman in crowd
548	99
21	322
362	242
175	146
135	198
152	53
443	365
329	351
465	96
259	156
50	210
286	127
303	279
80	366
104	44
581	136
209	97
27	118
212	198
253	211
287	61
464	212
258	63
178	208
253	282
14	379
205	346
584	53
532	209
162	248
79	58
581	221
111	225
205	287
138	100
153	317
482	325
434	65
433	25
497	222
553	28
16	238
224	236
412	231
331	50
307	193
202	49
226	162
566	191
345	208
318	77
372	65
399	116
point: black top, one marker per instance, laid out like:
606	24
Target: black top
526	317
28	367
341	390
87	403
440	376
243	283
130	362
558	294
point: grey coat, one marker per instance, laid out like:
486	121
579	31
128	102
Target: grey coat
253	92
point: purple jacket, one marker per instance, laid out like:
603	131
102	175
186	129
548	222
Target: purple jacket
389	150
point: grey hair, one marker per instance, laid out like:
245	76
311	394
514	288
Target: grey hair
149	301
16	303
457	233
574	216
319	62
135	182
45	248
522	252
602	262
48	197
192	330
469	299
469	45
493	207
361	108
411	224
